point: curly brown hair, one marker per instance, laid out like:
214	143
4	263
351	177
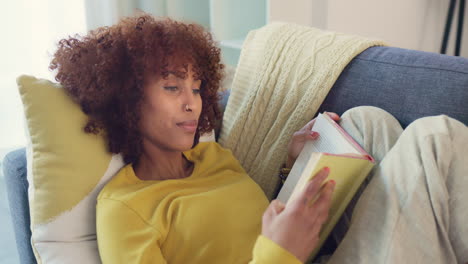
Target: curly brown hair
104	72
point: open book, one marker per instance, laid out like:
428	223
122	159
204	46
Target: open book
349	165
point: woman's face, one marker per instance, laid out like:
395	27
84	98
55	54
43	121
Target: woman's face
170	111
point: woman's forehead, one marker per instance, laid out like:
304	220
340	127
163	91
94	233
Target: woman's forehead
180	67
181	71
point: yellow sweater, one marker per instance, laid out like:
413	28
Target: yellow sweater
212	216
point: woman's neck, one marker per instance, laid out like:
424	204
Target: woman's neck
158	164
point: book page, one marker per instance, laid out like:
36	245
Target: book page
303	162
331	140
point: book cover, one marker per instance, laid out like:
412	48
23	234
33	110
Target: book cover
349	165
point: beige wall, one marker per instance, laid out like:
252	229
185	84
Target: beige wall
412	24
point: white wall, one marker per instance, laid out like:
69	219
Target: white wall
411	24
295	11
31	30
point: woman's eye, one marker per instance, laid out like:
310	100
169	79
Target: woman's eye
170	88
196	91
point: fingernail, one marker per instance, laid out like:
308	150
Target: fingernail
314	134
326	169
333	182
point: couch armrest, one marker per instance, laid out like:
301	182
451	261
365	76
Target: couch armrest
14	169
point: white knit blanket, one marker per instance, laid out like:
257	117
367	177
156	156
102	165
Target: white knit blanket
284	73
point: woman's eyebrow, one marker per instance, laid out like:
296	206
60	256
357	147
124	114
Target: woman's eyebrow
180	74
175	72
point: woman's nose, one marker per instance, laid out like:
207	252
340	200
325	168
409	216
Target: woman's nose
187	95
189	99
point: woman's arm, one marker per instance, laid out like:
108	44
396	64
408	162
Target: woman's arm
266	251
296	228
123	236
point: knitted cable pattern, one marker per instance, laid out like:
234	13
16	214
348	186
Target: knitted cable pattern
284	73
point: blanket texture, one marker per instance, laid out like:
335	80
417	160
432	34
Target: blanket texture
284	73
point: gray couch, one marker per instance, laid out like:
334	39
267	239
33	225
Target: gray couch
409	84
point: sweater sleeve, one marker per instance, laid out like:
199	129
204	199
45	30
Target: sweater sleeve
124	237
267	251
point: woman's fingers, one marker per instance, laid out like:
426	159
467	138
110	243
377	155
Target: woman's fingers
304	135
312	188
268	215
321	206
309	125
278	206
275	208
333	116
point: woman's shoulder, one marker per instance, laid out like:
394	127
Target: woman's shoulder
204	150
210	152
211	156
119	185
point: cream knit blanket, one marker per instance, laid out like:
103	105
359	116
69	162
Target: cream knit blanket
284	73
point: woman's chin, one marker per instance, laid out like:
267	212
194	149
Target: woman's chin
187	144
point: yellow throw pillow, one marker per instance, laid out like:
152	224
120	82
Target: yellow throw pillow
66	170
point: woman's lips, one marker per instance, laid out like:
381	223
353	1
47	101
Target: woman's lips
188	126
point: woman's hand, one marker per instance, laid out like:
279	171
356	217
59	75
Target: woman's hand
300	137
296	227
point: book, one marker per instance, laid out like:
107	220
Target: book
349	165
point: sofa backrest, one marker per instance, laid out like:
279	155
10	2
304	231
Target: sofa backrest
408	84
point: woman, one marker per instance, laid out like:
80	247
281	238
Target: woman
150	86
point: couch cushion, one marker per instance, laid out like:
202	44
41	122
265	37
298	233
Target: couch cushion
408	84
66	170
